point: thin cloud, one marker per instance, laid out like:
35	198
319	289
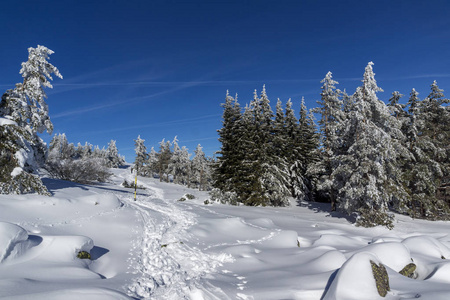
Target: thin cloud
121	102
201	139
174	122
420	76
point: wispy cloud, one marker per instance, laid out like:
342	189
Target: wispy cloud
420	76
201	139
159	124
121	102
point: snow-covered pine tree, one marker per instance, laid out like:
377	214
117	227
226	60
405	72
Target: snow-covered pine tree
269	179
242	180
60	146
397	109
141	155
164	156
87	150
24	113
365	170
199	169
151	166
229	156
332	115
113	159
179	164
292	149
308	155
427	139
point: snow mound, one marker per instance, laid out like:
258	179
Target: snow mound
330	260
105	200
282	239
74	294
263	222
64	248
354	280
441	273
11	236
427	246
338	241
394	255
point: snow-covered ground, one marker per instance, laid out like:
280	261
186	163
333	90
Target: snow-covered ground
160	248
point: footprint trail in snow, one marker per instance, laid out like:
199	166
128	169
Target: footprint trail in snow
167	267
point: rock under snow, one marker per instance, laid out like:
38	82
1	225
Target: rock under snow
355	279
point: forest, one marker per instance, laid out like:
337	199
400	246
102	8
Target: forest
366	157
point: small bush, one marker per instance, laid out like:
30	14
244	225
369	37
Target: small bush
131	185
206	202
224	197
182	199
189	196
372	218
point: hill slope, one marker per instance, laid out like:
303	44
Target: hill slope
160	248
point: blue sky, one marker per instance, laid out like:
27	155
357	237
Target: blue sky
162	68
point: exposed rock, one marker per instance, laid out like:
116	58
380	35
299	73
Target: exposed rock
381	278
409	271
84	255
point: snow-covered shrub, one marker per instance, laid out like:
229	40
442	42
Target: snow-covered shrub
187	197
224	197
82	164
83	170
131	184
372	217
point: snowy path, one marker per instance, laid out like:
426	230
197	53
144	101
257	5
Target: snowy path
167	267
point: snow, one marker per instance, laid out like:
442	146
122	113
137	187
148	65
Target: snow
160	248
4	121
16	171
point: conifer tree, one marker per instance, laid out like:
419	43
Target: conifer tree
309	142
199	169
332	116
113	159
141	155
293	151
224	173
151	166
164	156
23	114
268	179
179	164
427	139
365	173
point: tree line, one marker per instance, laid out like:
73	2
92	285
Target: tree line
82	163
172	163
364	156
367	157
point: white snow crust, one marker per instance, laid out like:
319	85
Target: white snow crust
161	248
4	121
